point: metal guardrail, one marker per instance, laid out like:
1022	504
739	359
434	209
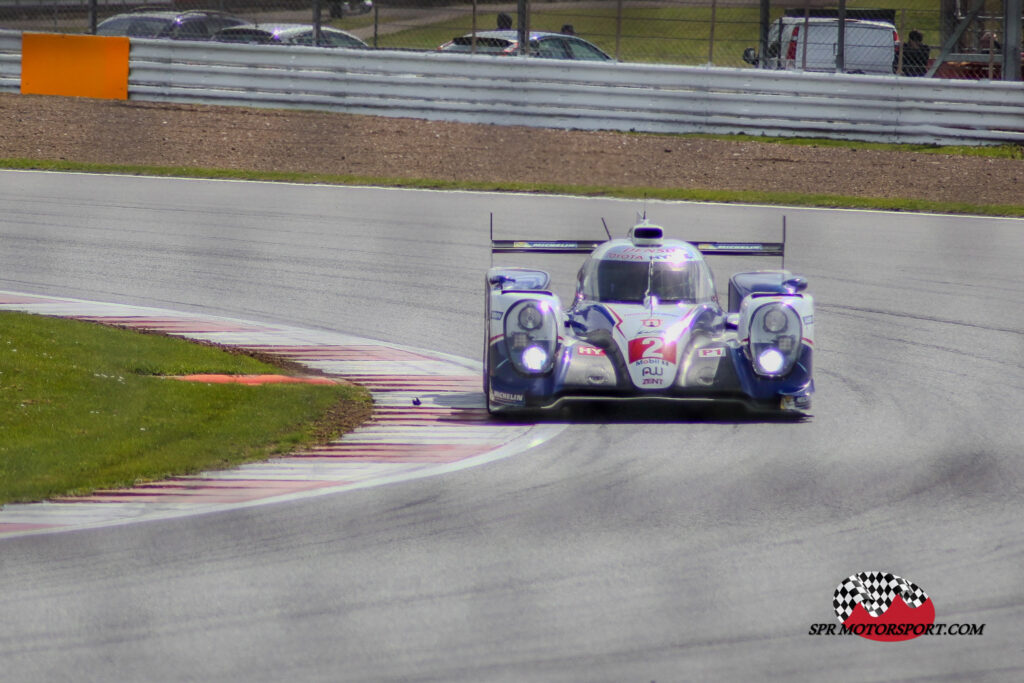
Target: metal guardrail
588	96
10	61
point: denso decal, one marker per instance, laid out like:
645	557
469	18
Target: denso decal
589	351
652	348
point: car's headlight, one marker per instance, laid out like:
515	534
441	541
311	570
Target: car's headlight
774	320
771	361
535	358
775	333
531	334
530	317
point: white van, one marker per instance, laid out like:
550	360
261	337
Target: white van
811	44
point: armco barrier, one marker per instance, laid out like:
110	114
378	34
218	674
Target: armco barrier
10	61
589	96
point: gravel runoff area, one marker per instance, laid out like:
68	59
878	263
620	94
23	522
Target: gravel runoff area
219	137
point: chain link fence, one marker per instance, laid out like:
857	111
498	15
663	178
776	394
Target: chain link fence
932	38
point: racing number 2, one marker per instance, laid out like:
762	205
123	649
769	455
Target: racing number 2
651	347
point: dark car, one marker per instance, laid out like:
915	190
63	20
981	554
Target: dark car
194	25
287	34
542	44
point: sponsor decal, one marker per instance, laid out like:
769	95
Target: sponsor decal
653	371
652	348
735	246
497	315
711	353
651	322
588	351
506	397
884	607
808	320
650	254
545	245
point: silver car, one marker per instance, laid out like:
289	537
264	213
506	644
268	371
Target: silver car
288	34
196	25
542	44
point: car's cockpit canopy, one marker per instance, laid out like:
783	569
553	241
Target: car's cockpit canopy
632	274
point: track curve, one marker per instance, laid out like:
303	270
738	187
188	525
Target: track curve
428	419
630	547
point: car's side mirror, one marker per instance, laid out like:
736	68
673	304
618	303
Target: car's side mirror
797	283
750	56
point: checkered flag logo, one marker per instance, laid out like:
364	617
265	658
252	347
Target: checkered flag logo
875	591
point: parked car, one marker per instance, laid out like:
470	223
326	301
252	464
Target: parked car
812	45
343	8
288	34
542	44
193	25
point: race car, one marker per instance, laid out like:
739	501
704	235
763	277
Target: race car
646	323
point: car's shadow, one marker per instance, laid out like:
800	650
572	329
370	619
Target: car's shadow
625	412
641	412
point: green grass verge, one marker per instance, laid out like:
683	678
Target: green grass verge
86	406
721	196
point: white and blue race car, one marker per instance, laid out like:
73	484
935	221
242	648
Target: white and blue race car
646	323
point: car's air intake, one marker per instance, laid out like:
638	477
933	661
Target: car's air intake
646	235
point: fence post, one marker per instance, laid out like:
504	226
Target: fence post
903	37
317	23
618	28
841	37
1012	40
524	27
473	29
806	30
762	48
711	34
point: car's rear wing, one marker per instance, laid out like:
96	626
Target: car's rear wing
545	246
587	246
741	248
712	248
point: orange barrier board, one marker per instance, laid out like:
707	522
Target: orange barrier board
72	65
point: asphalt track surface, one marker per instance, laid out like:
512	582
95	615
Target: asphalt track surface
634	546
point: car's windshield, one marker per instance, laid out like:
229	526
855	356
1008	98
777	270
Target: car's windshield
134	26
483	44
631	281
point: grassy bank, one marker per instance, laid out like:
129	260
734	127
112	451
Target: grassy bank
637	192
85	407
